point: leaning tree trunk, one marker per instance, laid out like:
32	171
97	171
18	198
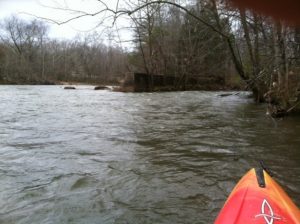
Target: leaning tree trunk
258	88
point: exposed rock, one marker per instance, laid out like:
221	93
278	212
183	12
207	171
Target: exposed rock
225	94
69	87
101	88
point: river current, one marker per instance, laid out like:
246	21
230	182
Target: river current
85	156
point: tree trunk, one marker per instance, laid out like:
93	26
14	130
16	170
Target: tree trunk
257	88
282	62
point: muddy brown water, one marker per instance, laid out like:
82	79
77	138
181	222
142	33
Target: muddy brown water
84	156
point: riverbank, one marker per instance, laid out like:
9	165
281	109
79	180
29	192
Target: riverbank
131	88
66	83
141	82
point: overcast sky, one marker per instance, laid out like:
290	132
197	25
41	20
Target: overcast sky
42	8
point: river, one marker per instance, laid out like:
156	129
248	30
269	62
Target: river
85	156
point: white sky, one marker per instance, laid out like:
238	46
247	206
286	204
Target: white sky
41	8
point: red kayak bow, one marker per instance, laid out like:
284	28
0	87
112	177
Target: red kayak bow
258	199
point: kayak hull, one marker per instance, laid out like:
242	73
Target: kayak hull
253	203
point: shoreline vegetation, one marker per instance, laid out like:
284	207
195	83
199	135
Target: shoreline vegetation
131	85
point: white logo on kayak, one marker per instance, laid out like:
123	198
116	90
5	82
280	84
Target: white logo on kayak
269	216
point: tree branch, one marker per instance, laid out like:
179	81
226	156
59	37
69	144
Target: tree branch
183	9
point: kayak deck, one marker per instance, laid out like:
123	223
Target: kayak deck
258	199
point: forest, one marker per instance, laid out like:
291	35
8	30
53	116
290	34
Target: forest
207	39
28	56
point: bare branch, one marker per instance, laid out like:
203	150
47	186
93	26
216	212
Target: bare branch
183	9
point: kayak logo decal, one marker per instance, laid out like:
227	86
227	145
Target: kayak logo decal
267	213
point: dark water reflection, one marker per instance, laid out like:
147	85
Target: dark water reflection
102	157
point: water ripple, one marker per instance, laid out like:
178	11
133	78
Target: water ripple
106	157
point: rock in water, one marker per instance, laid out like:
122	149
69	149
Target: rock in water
69	87
101	88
